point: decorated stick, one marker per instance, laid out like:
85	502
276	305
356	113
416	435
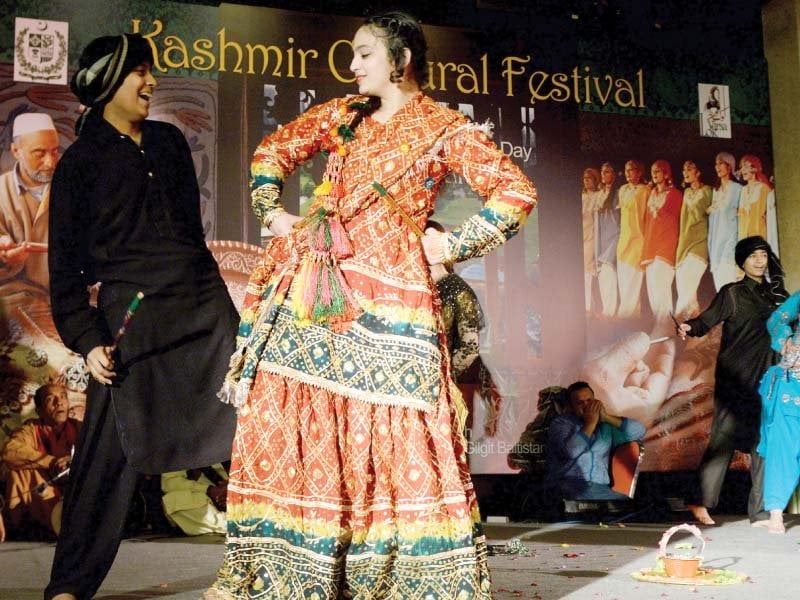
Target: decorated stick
674	320
127	318
395	207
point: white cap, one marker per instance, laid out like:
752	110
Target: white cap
30	122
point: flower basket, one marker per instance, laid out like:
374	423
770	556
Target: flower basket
678	566
684	564
681	566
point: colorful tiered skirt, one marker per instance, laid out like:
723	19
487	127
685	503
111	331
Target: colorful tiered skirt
331	497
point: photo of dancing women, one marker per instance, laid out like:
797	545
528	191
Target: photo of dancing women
349	475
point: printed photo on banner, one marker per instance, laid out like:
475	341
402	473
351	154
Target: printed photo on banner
715	110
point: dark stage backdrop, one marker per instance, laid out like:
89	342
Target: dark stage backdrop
229	75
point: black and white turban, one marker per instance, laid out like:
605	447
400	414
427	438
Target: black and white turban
775	273
104	65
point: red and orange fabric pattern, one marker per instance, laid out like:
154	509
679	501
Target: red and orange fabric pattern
349	471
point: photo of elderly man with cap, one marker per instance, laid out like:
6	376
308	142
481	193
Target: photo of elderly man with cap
24	209
745	353
126	213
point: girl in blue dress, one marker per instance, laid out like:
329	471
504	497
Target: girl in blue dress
780	414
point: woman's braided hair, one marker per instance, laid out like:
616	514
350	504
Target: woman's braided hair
398	31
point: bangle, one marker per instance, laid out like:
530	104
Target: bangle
270	217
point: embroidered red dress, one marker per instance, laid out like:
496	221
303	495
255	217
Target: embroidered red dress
349	475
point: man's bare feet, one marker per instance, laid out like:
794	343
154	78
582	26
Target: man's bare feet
762	523
700	514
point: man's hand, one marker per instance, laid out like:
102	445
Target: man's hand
59	464
632	376
605	417
591	414
218	494
100	364
682	330
14	255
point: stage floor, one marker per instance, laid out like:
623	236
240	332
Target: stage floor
553	560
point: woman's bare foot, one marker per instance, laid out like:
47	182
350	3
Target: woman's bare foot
775	523
700	514
65	597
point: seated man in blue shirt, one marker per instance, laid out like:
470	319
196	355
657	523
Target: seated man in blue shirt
579	445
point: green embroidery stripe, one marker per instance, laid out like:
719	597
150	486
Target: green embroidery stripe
262	180
359	359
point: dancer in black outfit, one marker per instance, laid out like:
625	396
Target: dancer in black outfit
743	308
125	212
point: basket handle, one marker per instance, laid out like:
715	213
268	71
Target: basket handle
693	529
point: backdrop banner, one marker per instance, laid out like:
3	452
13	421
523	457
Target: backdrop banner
571	297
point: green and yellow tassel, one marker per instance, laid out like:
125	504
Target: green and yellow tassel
321	294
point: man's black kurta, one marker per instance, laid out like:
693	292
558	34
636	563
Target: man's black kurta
743	308
128	216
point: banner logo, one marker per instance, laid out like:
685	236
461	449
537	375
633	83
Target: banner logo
40	51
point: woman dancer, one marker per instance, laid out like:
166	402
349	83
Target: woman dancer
607	238
723	226
753	200
591	179
632	208
692	255
349	475
661	227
